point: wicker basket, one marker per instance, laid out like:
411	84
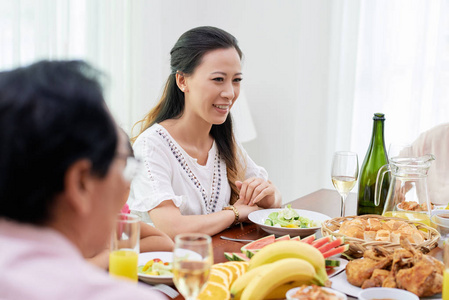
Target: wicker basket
358	246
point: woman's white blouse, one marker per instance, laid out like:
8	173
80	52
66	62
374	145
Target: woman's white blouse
169	173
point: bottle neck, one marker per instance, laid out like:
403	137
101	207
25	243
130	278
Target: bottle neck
377	138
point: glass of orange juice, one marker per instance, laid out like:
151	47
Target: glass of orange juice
446	270
125	247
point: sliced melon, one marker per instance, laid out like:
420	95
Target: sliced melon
309	239
320	242
258	244
296	238
229	256
332	263
283	238
240	257
335	243
250	253
336	251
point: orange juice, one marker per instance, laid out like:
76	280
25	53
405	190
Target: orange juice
123	263
446	285
409	215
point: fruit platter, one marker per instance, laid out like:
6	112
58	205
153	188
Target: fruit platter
269	267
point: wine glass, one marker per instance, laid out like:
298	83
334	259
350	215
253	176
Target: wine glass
192	259
345	170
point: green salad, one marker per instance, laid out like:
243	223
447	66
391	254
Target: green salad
289	218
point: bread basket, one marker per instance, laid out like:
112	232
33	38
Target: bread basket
358	246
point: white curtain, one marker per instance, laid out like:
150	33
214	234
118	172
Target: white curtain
105	33
402	69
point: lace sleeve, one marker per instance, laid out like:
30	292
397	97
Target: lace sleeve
153	183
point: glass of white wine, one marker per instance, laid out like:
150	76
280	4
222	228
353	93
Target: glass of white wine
192	259
345	170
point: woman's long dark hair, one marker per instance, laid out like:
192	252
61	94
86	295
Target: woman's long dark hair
186	55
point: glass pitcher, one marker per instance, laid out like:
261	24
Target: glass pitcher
407	195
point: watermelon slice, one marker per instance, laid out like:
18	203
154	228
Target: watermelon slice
332	263
258	244
229	256
309	239
336	251
283	238
250	253
320	242
239	257
331	245
296	238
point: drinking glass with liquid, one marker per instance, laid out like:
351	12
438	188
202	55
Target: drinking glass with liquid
345	170
125	247
446	270
192	260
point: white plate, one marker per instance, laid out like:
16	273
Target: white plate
152	279
258	217
340	283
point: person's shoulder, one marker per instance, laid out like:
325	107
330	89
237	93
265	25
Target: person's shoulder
152	136
150	133
439	132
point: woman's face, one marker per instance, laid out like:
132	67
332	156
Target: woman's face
214	86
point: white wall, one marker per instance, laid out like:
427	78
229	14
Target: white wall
286	63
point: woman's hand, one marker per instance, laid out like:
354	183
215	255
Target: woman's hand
244	210
258	191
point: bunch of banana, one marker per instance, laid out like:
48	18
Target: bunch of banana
272	280
292	249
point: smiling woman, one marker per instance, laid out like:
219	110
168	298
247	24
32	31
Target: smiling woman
194	167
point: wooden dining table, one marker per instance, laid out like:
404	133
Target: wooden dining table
325	201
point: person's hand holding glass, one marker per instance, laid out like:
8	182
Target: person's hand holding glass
192	259
345	170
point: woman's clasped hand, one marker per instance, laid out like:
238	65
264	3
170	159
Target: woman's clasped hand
257	191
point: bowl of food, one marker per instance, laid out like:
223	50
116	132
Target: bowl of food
314	292
283	221
386	293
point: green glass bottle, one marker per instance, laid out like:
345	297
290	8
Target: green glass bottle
375	158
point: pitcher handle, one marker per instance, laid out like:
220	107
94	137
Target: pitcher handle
384	169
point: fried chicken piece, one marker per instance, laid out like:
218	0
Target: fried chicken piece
377	253
360	270
401	258
376	279
423	279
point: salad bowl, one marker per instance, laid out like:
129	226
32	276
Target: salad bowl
259	217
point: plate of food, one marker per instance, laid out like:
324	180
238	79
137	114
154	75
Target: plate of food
340	283
156	267
283	221
406	268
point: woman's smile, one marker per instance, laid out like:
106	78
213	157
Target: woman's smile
222	108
